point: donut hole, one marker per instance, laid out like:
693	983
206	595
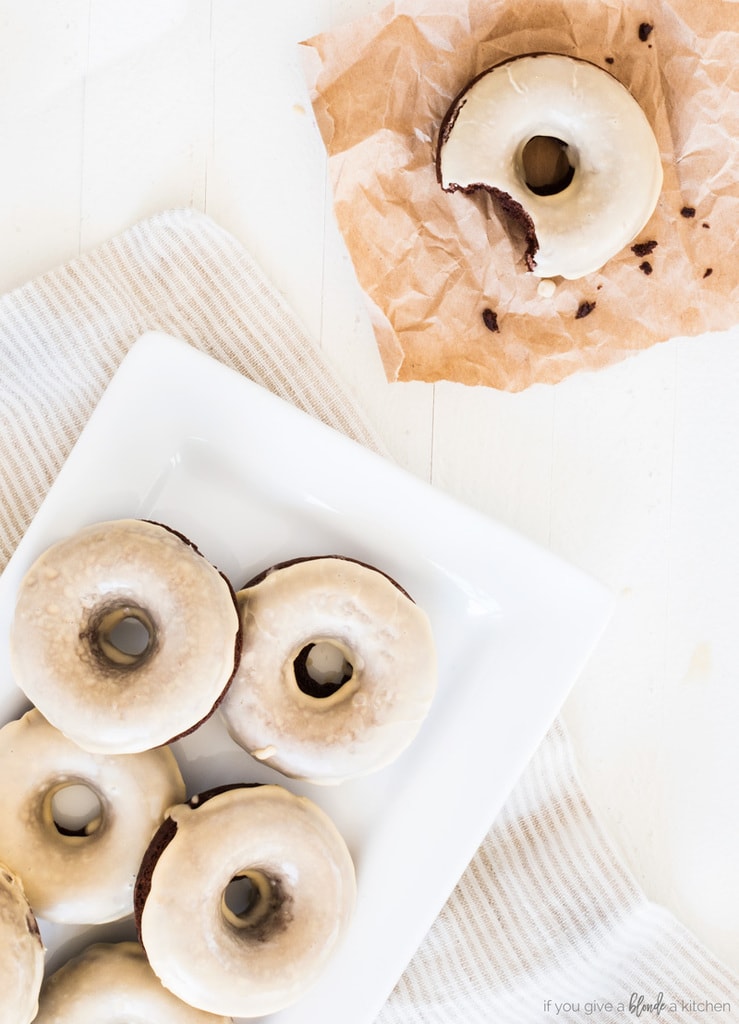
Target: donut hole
253	902
123	636
130	637
322	668
241	897
76	810
547	170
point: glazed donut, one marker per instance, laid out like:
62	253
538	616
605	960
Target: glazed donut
328	732
612	177
109	983
83	875
64	653
261	955
22	959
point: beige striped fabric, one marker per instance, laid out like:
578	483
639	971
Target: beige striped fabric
64	335
545	925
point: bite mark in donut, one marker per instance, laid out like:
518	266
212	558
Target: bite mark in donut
603	188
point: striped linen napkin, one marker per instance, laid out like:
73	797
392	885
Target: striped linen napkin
546	925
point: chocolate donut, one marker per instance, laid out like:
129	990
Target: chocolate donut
260	954
611	173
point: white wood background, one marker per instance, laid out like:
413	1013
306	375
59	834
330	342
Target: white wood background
111	110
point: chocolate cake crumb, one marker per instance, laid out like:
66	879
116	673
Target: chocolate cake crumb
609	60
584	309
708	272
646	267
687	211
644	248
705	225
490	319
645	31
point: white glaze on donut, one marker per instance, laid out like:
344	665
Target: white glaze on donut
21	953
124	568
110	984
366	723
71	878
610	144
266	964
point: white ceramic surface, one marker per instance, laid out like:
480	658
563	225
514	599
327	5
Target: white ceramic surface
252	481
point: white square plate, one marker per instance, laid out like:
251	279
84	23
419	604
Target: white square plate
180	438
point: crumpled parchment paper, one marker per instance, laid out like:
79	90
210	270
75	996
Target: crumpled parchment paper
431	263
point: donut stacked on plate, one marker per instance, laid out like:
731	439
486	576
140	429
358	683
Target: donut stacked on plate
126	638
337	672
111	696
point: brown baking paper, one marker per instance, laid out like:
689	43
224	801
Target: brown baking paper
430	263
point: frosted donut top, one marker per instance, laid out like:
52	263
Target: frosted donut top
384	636
196	949
140	570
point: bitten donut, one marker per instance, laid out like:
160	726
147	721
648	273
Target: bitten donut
313	722
612	173
65	653
84	874
256	950
21	953
109	983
